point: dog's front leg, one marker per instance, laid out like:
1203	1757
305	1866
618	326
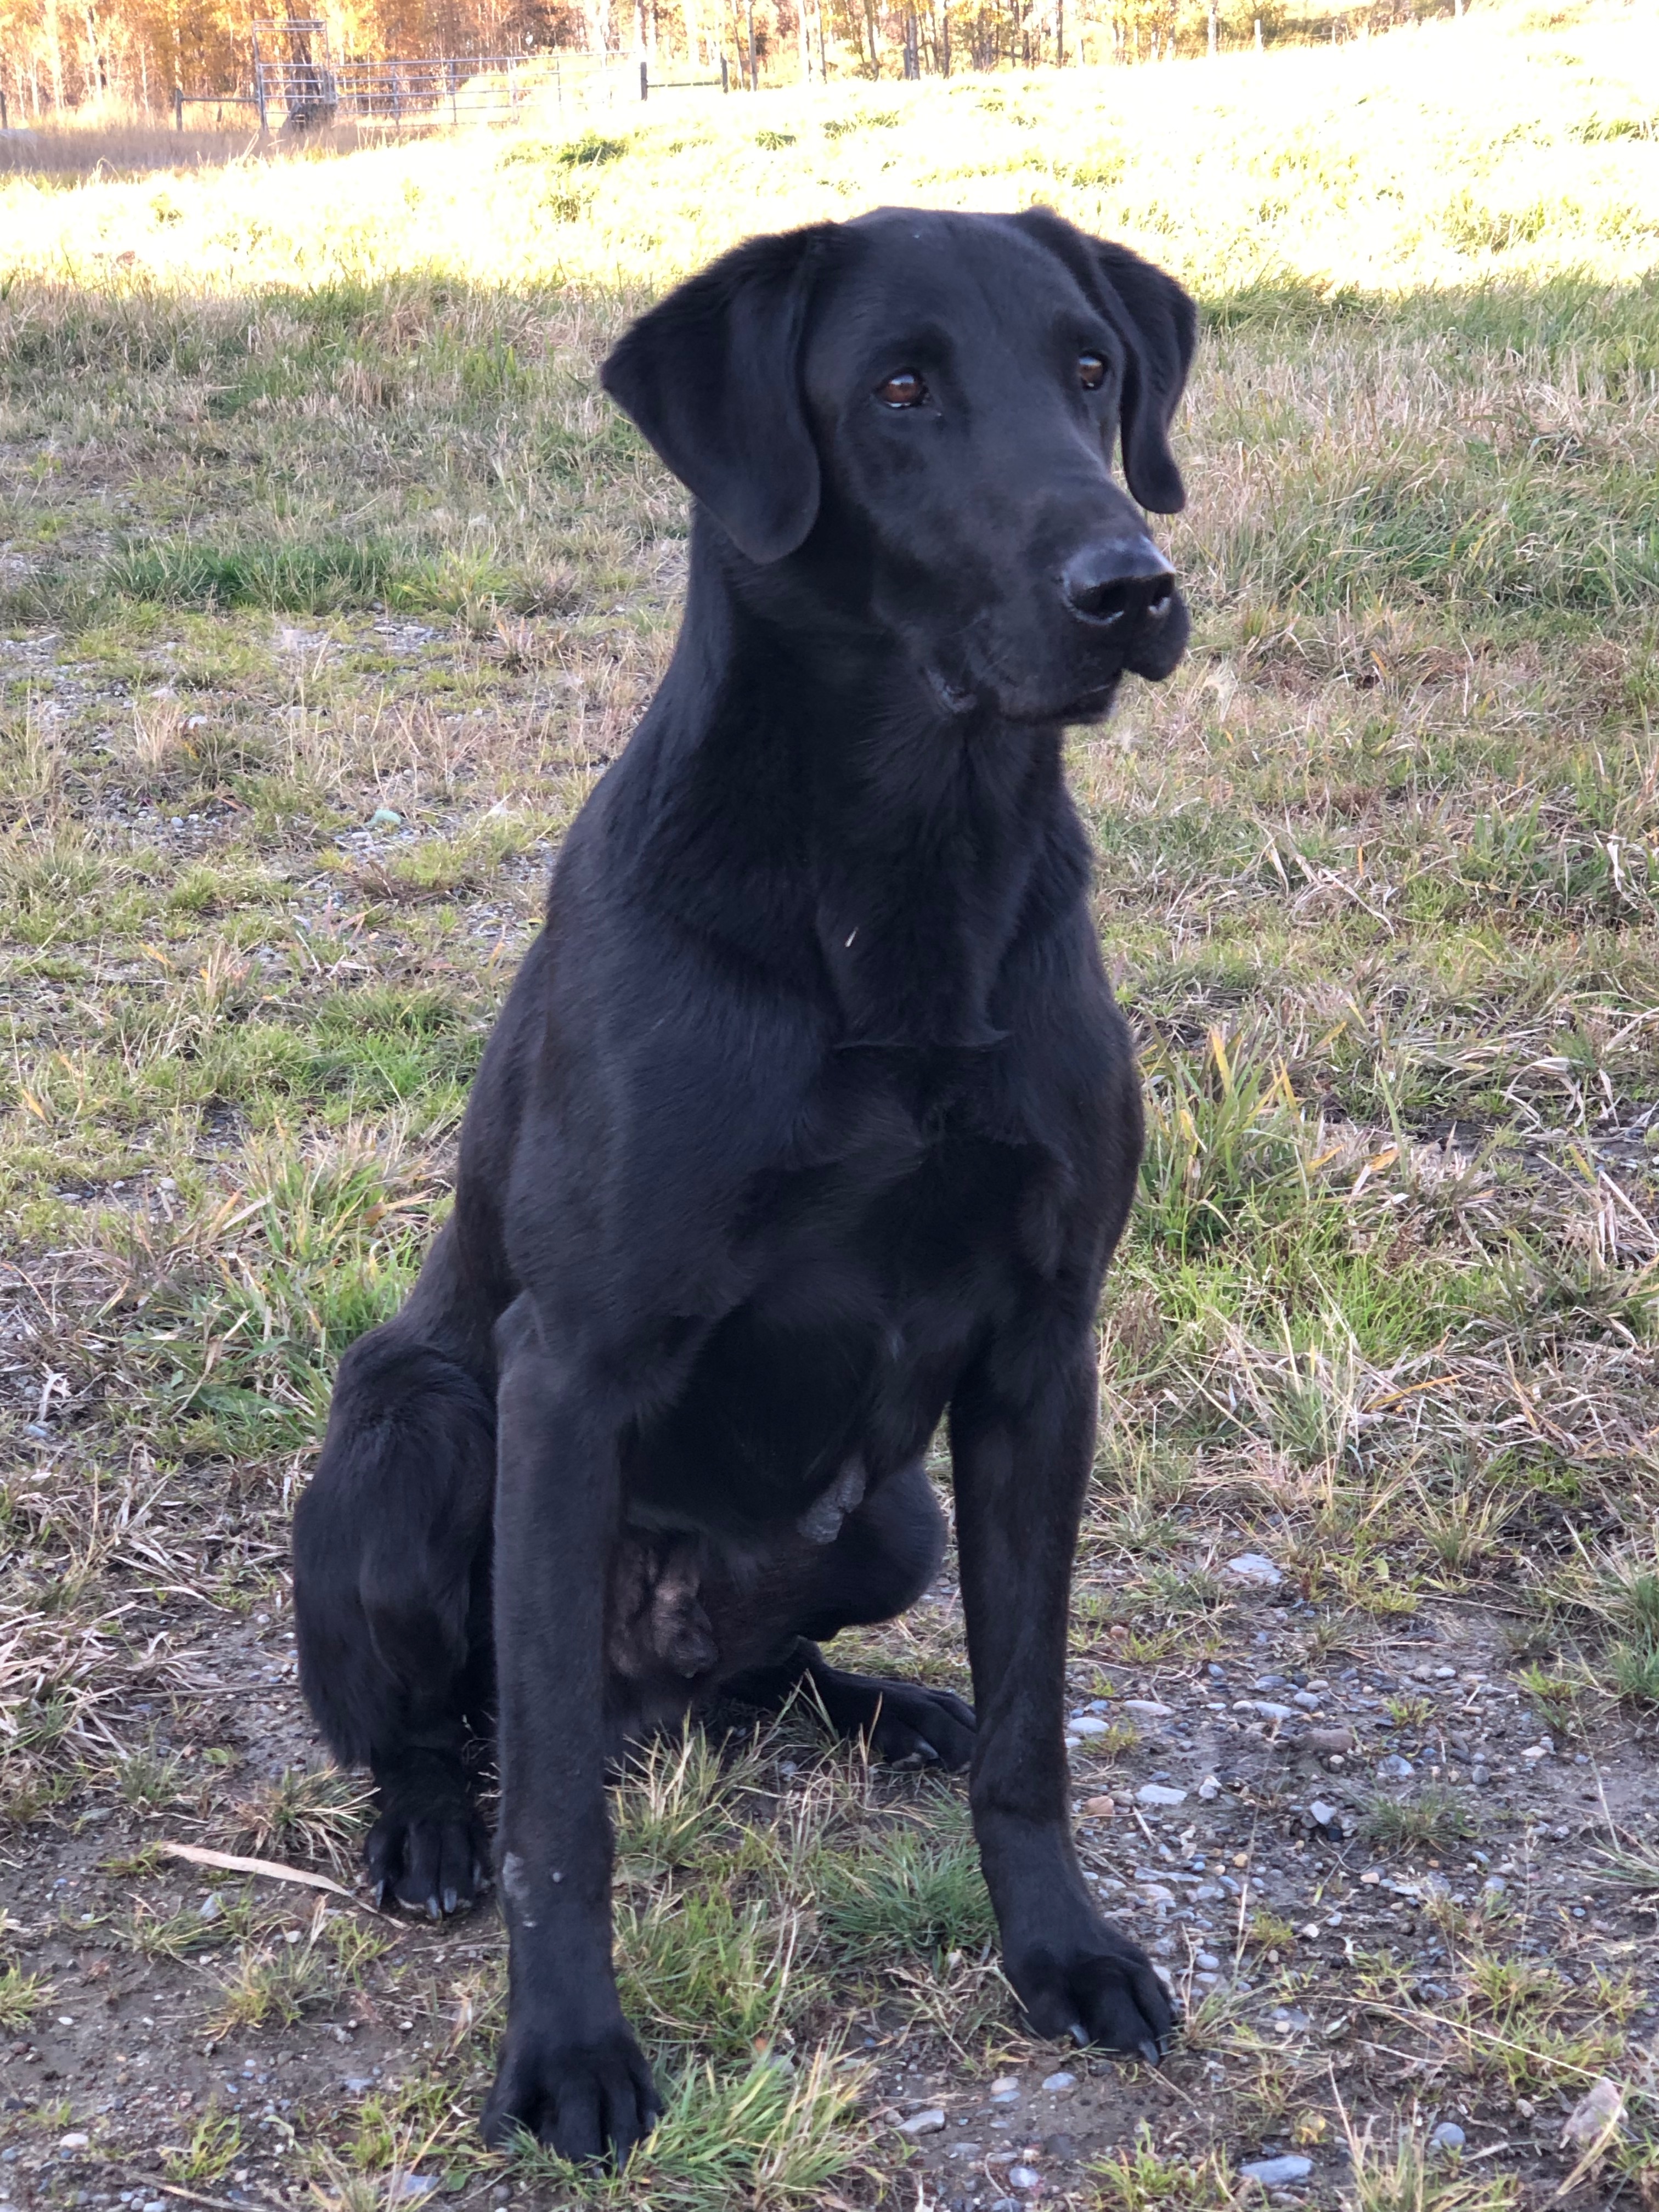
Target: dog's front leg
1022	1441
570	2071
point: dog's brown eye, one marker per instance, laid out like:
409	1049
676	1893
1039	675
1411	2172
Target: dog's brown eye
1090	371
905	389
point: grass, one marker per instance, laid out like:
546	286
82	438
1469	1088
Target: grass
328	585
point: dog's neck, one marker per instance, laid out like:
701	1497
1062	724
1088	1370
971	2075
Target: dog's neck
803	794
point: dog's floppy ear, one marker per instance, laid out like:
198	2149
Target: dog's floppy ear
712	376
1159	325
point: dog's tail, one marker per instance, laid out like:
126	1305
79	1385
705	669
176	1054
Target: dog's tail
392	1552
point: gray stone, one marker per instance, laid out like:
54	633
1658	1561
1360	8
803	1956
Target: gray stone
1150	1709
930	2122
1271	1710
1055	2082
1448	2136
1253	1567
1321	1814
1156	1793
1025	2177
1395	1769
1274	2172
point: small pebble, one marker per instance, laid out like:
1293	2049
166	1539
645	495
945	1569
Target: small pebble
1025	2177
1004	2090
1209	1789
1155	1793
1054	2083
1329	1739
1099	1808
1253	1567
1274	2172
1148	1707
1088	1726
1595	2117
1448	2136
930	2122
1321	1814
1393	1768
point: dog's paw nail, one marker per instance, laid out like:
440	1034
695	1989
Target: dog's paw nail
1079	2034
433	1909
378	1892
450	1901
1150	2051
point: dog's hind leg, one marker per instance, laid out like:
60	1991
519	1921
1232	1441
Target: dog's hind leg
392	1602
886	1553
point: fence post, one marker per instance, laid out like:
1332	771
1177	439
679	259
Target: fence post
1214	26
1258	34
4	124
726	83
178	108
645	82
453	116
754	85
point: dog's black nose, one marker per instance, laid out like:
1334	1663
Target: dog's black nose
1119	583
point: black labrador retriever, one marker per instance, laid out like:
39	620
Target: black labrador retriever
810	1120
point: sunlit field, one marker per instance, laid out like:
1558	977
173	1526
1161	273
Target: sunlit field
329	584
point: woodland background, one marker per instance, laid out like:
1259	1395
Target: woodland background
63	57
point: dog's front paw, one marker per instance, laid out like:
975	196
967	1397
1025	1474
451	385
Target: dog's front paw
1106	1993
584	2101
431	1859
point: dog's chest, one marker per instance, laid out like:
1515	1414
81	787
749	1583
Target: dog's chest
874	1280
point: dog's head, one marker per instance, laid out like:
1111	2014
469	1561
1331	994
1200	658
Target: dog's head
916	416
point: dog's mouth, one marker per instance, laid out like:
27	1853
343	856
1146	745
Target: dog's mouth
955	698
962	693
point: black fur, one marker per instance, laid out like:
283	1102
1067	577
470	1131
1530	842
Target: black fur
809	1120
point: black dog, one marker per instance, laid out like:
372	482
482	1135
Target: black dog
810	1120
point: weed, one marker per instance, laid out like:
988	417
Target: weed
215	2144
1144	2180
271	1985
149	1781
774	2134
904	1891
21	1996
1408	2177
308	1814
1434	1819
